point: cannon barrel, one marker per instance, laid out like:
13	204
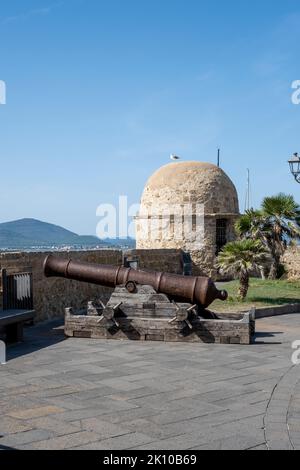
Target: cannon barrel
196	290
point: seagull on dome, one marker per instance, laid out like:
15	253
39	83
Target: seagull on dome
174	157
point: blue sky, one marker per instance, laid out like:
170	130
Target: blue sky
99	93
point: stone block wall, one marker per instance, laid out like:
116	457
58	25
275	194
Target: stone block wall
170	261
291	262
52	295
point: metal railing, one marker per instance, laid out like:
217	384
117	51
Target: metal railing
17	291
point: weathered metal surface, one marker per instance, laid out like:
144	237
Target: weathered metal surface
196	290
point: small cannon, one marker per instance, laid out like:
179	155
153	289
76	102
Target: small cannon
196	290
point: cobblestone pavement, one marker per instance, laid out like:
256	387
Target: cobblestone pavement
89	394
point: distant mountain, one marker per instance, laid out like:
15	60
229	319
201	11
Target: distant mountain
28	233
9	239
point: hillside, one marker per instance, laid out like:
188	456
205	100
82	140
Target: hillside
27	233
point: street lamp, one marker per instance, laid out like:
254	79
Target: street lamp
294	163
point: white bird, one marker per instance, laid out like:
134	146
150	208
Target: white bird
174	157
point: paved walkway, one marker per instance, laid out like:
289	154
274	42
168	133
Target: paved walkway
89	394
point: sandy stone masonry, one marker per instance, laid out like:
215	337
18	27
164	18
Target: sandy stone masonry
291	261
52	295
207	192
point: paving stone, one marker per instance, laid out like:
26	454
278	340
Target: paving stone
237	442
15	403
280	444
181	442
99	409
62	391
153	430
125	395
123	416
58	427
63	442
260	447
127	441
9	425
103	428
25	437
36	412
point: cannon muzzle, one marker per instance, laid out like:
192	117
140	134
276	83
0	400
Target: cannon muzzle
196	290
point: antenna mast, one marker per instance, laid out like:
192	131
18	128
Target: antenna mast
248	192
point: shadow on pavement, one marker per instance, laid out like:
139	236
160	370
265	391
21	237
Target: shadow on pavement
36	338
6	448
267	334
259	335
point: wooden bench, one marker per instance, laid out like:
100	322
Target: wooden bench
13	322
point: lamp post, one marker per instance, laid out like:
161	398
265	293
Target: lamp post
294	163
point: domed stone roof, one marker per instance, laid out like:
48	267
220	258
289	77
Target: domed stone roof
192	182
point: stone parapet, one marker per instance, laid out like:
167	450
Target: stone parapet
52	295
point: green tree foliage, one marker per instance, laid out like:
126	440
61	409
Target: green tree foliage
241	257
276	225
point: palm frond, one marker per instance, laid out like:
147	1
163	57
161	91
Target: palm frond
281	206
242	256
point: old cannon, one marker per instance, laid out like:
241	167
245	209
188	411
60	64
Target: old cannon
196	290
148	306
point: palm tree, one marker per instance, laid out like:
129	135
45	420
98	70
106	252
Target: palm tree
240	258
275	225
281	216
250	225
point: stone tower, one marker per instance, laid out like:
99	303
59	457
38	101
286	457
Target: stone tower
191	206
